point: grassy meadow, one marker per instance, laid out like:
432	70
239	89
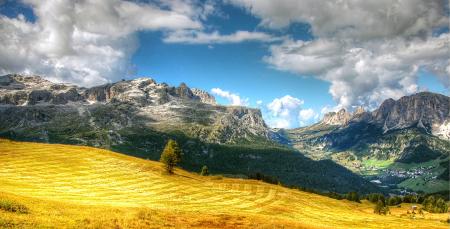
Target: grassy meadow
65	186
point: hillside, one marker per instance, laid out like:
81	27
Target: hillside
402	145
77	186
137	117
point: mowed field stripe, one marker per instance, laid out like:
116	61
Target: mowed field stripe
60	172
89	176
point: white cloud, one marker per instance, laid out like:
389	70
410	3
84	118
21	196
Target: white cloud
259	102
85	42
350	18
367	50
283	112
233	99
306	114
366	75
199	37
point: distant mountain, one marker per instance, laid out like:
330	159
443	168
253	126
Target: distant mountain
407	136
137	117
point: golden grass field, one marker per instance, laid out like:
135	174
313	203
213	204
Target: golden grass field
82	187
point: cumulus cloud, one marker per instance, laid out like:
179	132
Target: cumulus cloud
306	116
367	50
350	18
199	37
85	42
233	99
287	112
367	74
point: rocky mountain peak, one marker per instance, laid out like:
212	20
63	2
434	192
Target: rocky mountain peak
18	89
204	96
426	110
337	118
127	104
359	110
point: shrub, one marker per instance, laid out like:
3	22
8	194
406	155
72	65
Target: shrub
204	171
171	155
12	206
381	208
394	200
335	195
353	196
265	178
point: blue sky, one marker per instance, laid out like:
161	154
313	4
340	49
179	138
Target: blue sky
291	67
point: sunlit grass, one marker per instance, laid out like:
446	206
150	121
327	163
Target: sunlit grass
75	186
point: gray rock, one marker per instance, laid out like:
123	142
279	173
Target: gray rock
130	104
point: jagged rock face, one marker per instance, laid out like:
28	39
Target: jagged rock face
239	122
428	111
204	96
153	105
31	90
337	118
420	114
425	110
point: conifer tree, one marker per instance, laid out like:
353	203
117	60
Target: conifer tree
171	155
204	171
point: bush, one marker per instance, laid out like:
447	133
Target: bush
353	196
204	171
410	198
12	206
262	177
394	200
381	208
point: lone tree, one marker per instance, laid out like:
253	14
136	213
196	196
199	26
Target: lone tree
204	171
171	155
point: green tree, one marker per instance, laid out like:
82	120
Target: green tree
394	200
171	155
353	196
204	171
374	197
435	204
381	208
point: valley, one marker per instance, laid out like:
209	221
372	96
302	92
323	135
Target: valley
395	146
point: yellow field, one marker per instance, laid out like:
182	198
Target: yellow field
77	187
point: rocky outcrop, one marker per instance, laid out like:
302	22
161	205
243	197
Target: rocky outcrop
154	105
204	96
425	110
337	118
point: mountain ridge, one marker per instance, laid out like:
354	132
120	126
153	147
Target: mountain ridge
429	111
400	137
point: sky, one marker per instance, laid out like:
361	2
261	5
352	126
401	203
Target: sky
293	59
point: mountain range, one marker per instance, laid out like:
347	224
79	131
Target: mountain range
403	145
361	151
